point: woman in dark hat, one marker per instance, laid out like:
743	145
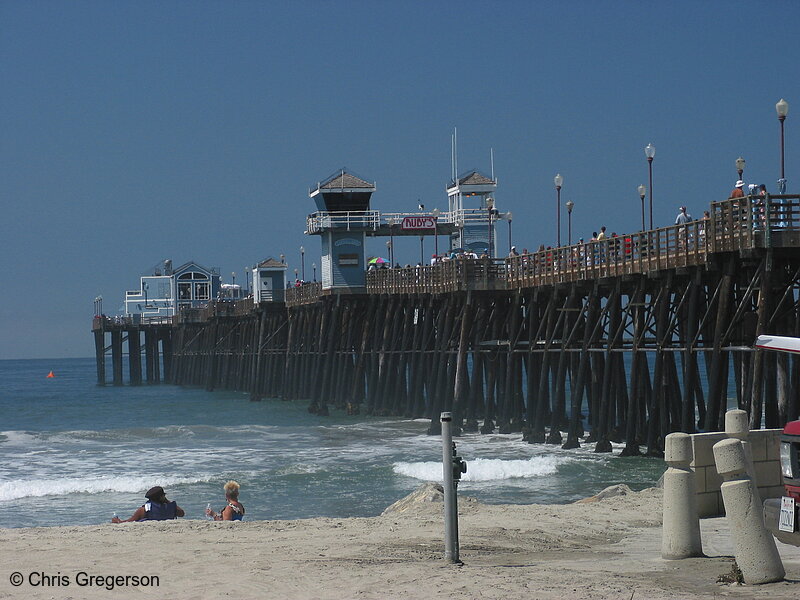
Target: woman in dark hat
157	508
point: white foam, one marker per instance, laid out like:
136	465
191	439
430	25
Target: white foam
13	490
485	469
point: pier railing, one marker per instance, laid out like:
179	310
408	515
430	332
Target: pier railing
731	225
642	252
303	294
755	222
459	274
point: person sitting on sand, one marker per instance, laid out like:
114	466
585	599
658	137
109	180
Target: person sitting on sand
234	511
157	508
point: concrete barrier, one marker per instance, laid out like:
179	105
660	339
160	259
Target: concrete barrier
680	533
756	553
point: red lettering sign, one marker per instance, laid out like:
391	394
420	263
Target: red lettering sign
419	223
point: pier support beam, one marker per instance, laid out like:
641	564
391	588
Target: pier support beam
100	355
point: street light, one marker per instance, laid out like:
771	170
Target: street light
314	267
508	217
302	263
782	108
391	223
559	181
740	162
421	250
490	214
436	212
650	153
391	252
570	205
642	192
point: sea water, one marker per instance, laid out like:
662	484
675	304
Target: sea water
73	452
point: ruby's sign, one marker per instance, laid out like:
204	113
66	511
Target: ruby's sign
419	223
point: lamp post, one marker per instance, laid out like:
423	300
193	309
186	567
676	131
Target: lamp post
391	222
490	214
421	250
295	277
559	181
782	108
391	252
436	212
650	153
570	205
508	217
642	192
314	267
302	263
740	163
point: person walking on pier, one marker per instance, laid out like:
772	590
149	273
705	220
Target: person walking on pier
682	219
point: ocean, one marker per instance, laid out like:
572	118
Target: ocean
75	453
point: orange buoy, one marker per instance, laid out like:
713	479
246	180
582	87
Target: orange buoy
50	374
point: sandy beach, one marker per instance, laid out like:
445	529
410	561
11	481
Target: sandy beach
604	549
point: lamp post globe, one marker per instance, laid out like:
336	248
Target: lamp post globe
314	267
490	215
782	108
570	205
740	164
642	193
558	180
436	212
650	153
509	216
302	263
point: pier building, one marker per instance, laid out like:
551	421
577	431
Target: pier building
167	291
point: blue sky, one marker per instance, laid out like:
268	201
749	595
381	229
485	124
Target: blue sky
133	132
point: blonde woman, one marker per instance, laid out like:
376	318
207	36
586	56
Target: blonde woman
234	511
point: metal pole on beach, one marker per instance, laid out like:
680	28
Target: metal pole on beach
450	501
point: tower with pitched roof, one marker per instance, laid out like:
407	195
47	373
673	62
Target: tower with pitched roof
342	220
469	197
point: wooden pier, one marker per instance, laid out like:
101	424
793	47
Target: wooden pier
620	332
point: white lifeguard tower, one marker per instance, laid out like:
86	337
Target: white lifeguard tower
471	204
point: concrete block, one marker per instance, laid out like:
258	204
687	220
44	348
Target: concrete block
737	424
768	473
755	550
772	492
709	504
713	479
680	530
678	449
730	457
702	444
774	444
758	445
